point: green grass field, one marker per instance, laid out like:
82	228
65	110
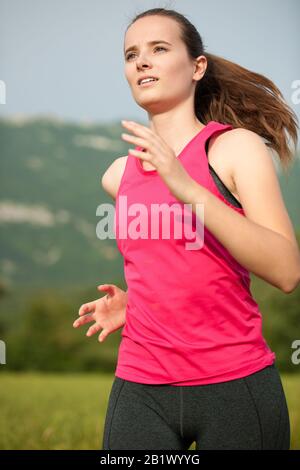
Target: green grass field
54	411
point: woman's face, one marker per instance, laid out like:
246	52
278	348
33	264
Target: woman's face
168	62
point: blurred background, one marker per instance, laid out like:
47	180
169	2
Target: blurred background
63	95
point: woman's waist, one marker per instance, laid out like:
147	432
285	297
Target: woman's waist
192	324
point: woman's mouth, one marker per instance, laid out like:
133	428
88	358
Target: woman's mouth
148	82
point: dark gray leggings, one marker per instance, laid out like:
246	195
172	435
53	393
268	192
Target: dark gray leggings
246	413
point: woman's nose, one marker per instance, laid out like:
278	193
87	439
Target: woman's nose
143	61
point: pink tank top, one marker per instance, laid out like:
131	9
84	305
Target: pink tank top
190	316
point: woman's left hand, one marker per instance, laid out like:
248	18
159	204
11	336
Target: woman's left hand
161	156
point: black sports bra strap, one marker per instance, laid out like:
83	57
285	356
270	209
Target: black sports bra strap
220	185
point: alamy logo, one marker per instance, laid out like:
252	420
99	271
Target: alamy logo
2	352
296	353
2	92
154	221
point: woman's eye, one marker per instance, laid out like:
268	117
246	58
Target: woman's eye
129	55
158	47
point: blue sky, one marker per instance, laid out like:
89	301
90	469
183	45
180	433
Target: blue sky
65	58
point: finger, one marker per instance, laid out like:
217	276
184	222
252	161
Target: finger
104	333
86	308
107	287
93	329
139	129
134	124
140	154
145	132
83	320
135	140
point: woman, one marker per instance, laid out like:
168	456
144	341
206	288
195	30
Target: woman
193	365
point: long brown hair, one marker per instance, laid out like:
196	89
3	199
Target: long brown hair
231	94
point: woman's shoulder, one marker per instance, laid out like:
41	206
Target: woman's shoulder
229	149
111	178
236	138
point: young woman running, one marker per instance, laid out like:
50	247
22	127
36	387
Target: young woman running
193	365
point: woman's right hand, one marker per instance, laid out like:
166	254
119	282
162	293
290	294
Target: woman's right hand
108	312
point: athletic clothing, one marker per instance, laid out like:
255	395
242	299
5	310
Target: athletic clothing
190	316
223	189
246	413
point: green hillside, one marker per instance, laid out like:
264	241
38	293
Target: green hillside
50	189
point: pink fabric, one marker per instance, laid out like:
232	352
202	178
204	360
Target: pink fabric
190	317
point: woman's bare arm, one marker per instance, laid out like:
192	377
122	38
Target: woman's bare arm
264	241
111	179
